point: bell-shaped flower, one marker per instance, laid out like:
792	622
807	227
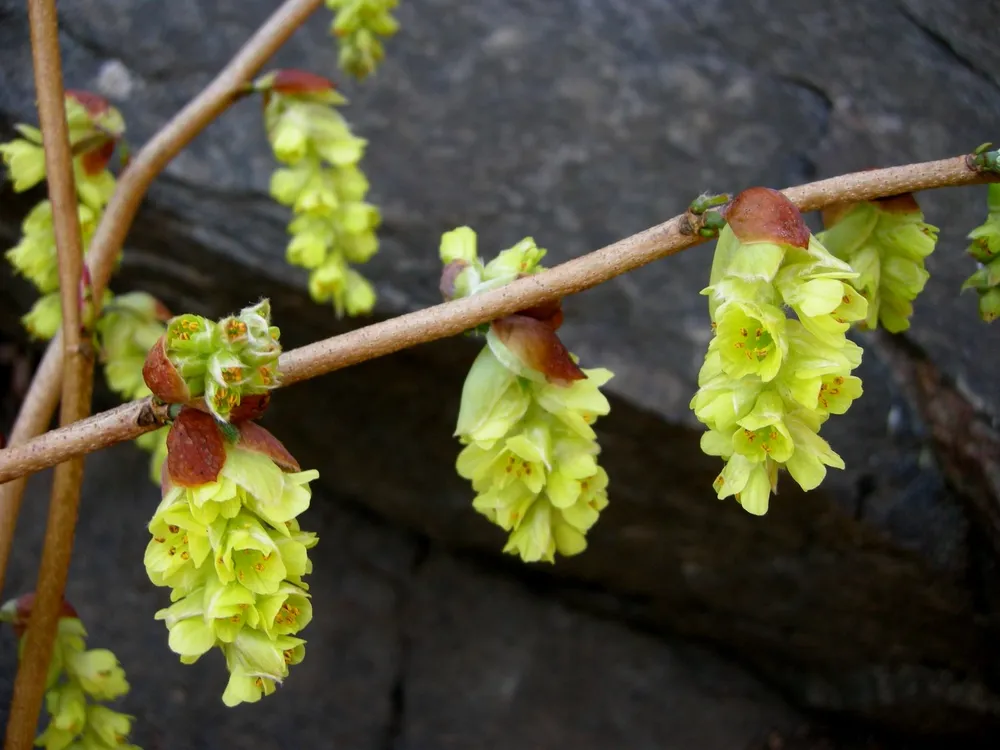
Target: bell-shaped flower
578	405
286	611
111	727
812	455
532	538
493	400
762	433
179	543
752	339
45	317
67	707
747	480
99	673
25	163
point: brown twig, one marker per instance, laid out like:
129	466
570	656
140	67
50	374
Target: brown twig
78	369
131	420
114	225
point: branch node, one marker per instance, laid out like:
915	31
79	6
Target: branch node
982	160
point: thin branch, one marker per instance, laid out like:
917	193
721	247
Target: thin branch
130	420
121	211
78	370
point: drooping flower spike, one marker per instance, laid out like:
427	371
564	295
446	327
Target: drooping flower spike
94	129
358	26
769	380
225	538
886	242
526	414
334	228
130	325
985	250
78	682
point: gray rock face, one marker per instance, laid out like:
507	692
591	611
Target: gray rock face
578	124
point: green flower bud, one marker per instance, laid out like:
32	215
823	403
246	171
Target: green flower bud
287	184
459	244
521	259
985	277
989	304
359	248
352	185
311	238
359	294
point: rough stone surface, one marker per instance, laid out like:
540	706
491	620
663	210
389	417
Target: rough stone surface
580	123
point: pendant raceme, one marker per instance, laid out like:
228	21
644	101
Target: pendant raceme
769	381
527	414
334	228
78	682
358	26
886	242
225	537
226	541
94	129
985	249
130	325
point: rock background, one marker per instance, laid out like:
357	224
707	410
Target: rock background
874	599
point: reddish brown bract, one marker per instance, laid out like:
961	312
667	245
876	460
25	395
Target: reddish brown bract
25	603
96	159
196	451
255	438
549	313
250	407
162	378
292	81
761	214
536	344
898	204
449	275
94	104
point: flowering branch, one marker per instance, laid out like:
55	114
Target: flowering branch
78	373
231	83
132	419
